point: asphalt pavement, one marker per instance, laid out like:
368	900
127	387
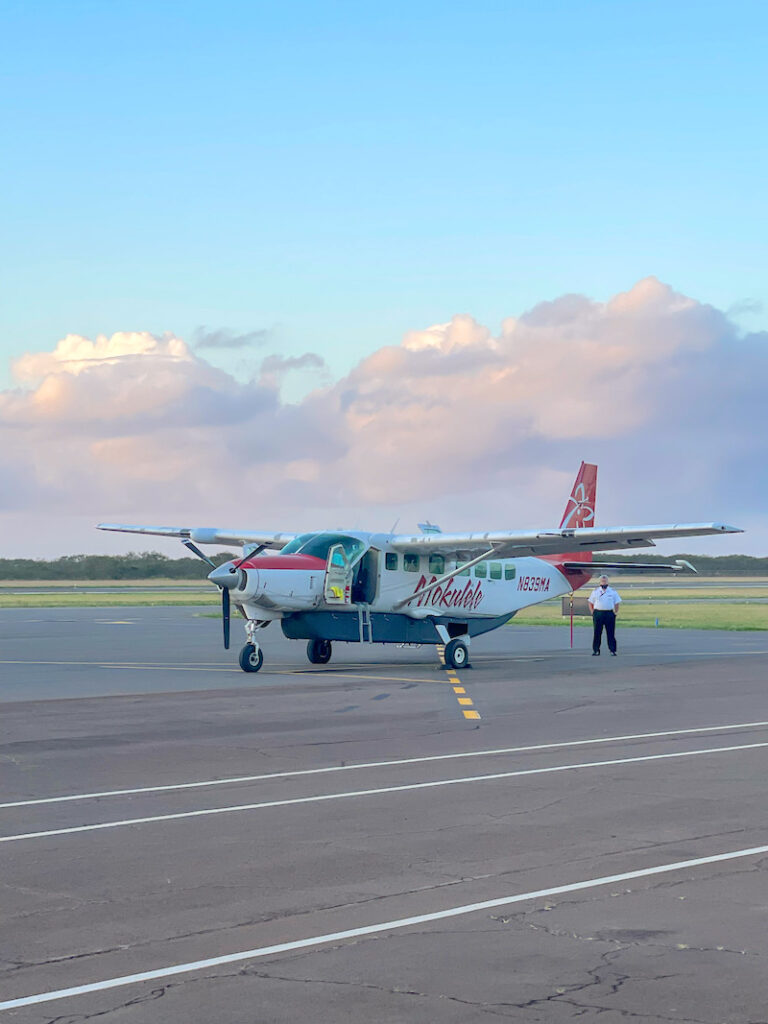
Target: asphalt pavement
542	837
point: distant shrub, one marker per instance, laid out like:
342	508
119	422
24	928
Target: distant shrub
134	566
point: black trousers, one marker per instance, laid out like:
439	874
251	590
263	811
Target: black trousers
607	619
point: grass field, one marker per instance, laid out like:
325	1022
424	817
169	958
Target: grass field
709	614
132	599
86	585
713	604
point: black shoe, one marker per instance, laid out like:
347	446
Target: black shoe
595	654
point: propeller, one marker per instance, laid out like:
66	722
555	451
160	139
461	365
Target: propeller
225	602
196	551
225	619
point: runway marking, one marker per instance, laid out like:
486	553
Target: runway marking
383	926
371	792
464	702
348	675
149	667
141	666
546	655
206	783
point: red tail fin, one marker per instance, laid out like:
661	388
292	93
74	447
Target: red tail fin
580	510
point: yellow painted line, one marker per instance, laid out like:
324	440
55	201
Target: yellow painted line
454	680
345	675
146	667
125	664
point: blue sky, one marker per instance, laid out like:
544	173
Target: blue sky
341	173
325	178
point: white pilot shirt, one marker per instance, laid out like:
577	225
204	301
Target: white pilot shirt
604	600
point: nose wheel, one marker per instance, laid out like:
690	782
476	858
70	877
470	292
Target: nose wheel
251	658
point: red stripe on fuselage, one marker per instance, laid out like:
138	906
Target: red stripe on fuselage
305	562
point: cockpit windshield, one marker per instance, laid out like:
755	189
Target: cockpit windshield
319	544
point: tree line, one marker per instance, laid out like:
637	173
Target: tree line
134	566
707	565
153	565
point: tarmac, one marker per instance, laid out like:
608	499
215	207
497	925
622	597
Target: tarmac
546	836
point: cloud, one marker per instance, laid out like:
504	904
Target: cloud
744	307
274	368
222	338
474	429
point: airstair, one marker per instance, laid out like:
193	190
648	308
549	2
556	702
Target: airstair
364	623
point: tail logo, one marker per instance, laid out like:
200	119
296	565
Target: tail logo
579	510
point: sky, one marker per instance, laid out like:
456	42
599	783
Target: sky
322	264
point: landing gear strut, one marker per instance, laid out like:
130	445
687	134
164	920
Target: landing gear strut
319	651
251	658
456	650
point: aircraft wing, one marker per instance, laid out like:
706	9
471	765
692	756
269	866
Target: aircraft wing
552	542
206	534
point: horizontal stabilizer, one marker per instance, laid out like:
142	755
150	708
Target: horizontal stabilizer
679	565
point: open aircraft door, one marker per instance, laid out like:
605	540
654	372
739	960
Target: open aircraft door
338	577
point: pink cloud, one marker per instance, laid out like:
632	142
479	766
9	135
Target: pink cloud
455	422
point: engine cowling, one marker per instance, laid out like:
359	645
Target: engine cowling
273	582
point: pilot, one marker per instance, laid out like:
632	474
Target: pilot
604	604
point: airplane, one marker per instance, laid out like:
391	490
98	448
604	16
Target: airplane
428	588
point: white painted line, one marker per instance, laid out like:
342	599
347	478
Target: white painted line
373	929
370	792
382	764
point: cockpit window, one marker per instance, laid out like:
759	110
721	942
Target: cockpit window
319	544
293	545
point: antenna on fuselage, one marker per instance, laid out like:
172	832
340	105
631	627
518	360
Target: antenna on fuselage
394	525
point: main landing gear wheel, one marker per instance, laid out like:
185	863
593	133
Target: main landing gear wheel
251	658
319	651
456	654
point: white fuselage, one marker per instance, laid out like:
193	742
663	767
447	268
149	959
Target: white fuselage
490	589
515	584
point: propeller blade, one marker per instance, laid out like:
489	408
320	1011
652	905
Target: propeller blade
225	616
196	551
252	552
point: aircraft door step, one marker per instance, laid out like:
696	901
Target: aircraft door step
364	623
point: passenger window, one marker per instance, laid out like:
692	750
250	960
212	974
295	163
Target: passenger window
391	559
509	572
436	565
481	570
495	570
411	563
464	572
